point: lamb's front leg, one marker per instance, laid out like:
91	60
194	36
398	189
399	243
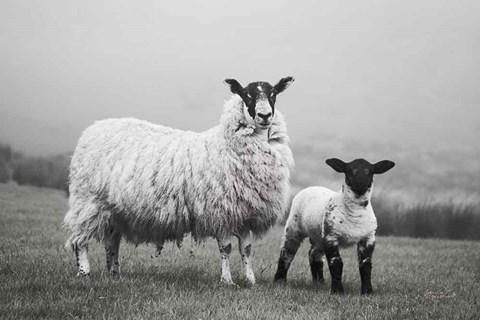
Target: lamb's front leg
335	264
225	247
365	251
245	248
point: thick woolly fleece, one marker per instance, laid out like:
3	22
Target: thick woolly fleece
153	183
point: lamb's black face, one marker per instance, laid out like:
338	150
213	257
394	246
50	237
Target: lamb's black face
359	176
259	98
359	173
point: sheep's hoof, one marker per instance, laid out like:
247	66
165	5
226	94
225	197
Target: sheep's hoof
82	274
250	283
115	271
229	282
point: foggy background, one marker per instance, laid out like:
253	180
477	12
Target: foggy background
376	79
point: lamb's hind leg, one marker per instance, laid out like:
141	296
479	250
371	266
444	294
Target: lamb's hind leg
245	248
112	245
315	257
81	254
287	253
225	247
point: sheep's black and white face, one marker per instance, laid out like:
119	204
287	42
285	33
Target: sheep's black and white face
359	173
259	98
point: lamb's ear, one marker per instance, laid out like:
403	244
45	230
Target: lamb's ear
283	84
234	85
383	166
336	164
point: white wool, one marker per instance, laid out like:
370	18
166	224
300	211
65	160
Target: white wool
155	183
350	221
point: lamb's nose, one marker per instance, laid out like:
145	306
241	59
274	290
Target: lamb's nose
264	116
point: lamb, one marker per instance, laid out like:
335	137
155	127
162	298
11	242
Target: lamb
332	220
149	184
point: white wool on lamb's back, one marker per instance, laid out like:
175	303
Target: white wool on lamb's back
155	183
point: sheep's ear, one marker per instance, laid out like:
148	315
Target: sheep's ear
283	84
383	166
336	164
234	85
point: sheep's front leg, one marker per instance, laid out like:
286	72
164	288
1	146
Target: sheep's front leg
365	251
112	246
81	254
225	247
245	248
335	264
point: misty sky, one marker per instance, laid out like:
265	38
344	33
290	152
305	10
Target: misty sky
405	71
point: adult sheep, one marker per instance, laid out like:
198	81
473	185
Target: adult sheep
150	184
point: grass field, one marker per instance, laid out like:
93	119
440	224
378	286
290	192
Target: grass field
412	278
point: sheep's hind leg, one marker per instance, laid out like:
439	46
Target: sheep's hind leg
287	253
112	246
365	251
245	248
225	247
81	254
315	257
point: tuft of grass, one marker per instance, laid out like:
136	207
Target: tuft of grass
412	278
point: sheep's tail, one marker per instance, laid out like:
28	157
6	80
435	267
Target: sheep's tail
84	224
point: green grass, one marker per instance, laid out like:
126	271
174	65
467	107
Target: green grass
412	278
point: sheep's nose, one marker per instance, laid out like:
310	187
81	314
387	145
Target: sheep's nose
264	116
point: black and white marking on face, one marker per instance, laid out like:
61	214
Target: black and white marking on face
359	173
259	98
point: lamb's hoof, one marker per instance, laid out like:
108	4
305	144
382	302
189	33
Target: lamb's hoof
319	282
367	291
82	274
280	278
337	290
